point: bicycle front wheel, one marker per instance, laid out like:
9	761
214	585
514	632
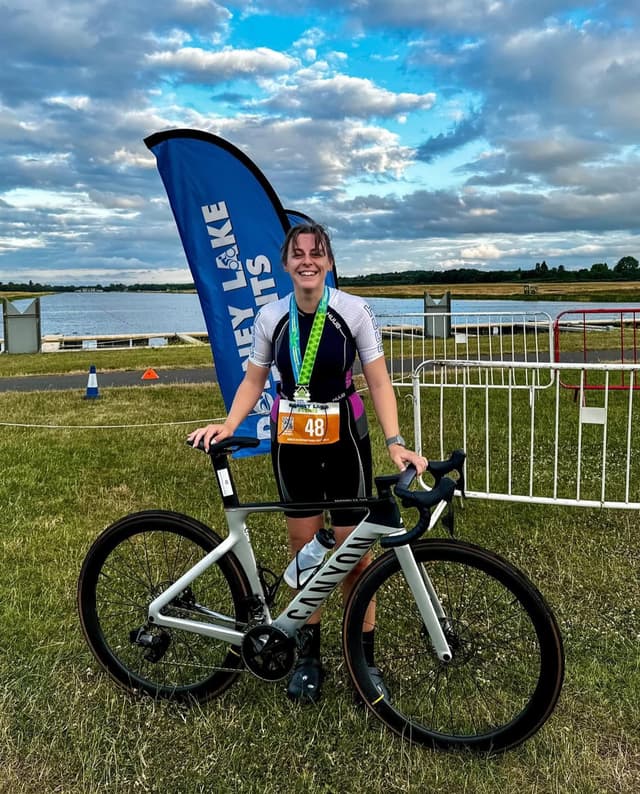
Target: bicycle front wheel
129	565
508	665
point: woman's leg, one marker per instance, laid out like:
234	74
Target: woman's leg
301	530
306	680
369	623
341	534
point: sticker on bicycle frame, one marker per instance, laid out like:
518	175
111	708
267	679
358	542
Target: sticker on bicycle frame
308	422
225	482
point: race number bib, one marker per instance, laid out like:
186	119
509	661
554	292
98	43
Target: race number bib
308	422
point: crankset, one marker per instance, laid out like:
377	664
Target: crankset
268	652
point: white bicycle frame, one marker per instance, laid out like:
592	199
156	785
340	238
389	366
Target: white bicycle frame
315	591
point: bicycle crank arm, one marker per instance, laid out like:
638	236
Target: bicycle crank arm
425	605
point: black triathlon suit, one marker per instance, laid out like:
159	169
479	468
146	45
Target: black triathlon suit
315	472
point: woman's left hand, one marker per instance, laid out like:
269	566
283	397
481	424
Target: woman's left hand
402	457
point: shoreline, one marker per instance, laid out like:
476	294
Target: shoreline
584	291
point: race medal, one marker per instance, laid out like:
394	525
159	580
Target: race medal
308	422
301	394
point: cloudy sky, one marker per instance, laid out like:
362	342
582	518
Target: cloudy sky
425	134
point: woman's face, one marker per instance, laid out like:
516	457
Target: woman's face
307	264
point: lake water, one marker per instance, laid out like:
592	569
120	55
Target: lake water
89	313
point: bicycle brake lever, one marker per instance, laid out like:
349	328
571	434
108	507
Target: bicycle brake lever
439	468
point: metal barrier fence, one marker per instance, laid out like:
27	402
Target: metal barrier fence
614	333
533	445
492	336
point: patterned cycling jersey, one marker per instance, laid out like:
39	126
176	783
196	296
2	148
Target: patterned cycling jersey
350	328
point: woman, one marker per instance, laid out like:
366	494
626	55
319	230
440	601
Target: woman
333	459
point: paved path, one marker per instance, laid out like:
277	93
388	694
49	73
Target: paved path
106	379
194	375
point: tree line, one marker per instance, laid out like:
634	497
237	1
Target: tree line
627	268
36	286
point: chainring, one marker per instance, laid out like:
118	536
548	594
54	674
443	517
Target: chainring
268	652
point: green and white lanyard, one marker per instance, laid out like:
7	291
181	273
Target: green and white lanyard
302	368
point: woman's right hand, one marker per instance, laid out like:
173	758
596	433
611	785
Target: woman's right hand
209	434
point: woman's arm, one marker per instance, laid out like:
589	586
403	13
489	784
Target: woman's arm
247	396
384	403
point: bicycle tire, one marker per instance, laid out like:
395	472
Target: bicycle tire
132	562
508	662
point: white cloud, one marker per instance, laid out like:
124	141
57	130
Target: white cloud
310	38
9	244
43	159
477	212
138	159
343	96
303	157
72	102
482	251
226	64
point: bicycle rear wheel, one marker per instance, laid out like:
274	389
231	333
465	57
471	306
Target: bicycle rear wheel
131	563
508	665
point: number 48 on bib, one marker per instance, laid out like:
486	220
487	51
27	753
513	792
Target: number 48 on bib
309	423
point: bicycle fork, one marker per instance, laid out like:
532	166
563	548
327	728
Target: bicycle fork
427	601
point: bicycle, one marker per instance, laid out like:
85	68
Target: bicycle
470	653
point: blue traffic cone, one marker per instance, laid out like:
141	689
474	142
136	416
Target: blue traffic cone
92	384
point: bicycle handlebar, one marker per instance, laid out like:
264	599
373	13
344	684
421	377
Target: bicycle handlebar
423	501
228	445
438	468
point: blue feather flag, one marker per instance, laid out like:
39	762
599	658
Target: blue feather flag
232	226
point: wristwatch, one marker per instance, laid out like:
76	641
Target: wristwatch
395	440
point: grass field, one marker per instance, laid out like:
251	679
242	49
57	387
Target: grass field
553	290
175	356
65	727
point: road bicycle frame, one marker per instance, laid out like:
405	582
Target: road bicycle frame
486	619
319	586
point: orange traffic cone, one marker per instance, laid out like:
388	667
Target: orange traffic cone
150	374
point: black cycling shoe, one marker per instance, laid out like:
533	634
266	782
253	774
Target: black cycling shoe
376	679
305	684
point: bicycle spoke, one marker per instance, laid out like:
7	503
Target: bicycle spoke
490	693
134	562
